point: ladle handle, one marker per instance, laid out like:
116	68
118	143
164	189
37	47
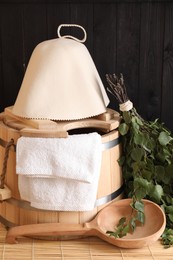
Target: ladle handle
46	229
70	36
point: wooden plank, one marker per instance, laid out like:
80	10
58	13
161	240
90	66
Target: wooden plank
81	14
48	128
57	13
5	193
34	28
36	123
128	48
11	52
84	14
1	78
167	89
82	1
151	52
105	37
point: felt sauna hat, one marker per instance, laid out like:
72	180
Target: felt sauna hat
61	82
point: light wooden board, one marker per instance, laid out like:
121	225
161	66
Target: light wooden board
82	249
106	122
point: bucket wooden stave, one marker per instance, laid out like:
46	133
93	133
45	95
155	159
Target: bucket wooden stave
14	211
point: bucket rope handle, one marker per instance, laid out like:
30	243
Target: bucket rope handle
4	168
70	36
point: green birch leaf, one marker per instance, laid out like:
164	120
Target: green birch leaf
146	174
114	234
150	165
167	152
167	237
148	142
135	124
121	160
135	167
122	221
139	206
168	232
168	177
170	217
159	172
133	224
127	117
123	128
125	230
140	217
169	209
169	170
138	121
137	154
141	193
139	182
161	156
157	193
138	139
164	138
168	199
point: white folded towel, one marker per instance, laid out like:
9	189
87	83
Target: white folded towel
59	173
76	157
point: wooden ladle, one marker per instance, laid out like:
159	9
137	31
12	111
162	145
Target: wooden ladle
105	220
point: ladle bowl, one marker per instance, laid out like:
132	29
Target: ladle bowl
106	220
155	223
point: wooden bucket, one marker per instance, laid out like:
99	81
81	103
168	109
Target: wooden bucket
15	212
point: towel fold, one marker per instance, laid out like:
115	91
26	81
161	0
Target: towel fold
59	173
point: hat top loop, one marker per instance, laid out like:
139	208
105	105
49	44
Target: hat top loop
70	36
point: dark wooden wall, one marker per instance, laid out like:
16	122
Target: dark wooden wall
132	37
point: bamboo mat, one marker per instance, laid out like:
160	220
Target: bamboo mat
82	249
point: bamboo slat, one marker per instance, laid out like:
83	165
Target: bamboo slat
81	249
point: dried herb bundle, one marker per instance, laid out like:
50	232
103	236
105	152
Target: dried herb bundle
147	163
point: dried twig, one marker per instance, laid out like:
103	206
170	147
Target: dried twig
117	87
